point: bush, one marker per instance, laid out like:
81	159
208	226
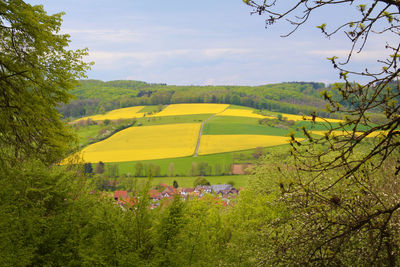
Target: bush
200	181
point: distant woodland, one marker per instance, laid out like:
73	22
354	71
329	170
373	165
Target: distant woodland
95	97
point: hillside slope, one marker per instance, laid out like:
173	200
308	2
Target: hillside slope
96	97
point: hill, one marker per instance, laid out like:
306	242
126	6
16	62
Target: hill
97	97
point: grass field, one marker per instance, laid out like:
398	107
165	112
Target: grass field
211	144
87	132
188	109
240	125
148	121
147	142
239	107
241	113
153	108
238	180
182	165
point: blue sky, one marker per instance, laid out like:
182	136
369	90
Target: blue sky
204	42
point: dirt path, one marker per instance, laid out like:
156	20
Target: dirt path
201	131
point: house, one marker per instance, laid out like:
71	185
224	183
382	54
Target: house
207	189
120	195
225	190
218	188
185	192
155	195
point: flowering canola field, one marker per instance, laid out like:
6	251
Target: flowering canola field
211	144
144	143
189	109
308	118
342	133
121	113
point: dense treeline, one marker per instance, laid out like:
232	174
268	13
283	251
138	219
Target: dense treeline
95	96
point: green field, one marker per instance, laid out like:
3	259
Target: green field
153	108
85	133
237	180
182	166
148	121
239	107
240	125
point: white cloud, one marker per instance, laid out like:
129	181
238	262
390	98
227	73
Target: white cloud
216	52
109	60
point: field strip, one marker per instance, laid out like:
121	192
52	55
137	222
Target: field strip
145	143
201	131
212	144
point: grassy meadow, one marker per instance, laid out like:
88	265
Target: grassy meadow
237	180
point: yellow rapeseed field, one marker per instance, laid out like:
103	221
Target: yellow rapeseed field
147	142
121	113
211	144
189	109
242	113
341	133
308	118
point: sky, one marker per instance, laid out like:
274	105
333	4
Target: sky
204	42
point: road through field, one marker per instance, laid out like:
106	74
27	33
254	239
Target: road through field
201	131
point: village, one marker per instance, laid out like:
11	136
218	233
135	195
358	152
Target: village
164	193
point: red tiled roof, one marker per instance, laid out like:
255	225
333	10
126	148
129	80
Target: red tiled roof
188	190
154	194
120	194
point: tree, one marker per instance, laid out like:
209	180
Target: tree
112	170
200	181
342	199
138	169
36	73
171	169
99	168
88	169
258	152
194	170
203	168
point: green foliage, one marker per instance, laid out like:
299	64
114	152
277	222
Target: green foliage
99	168
88	169
42	209
200	181
139	168
37	73
285	97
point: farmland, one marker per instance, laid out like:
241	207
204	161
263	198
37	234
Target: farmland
166	136
149	142
212	144
122	113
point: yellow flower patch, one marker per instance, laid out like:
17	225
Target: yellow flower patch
211	144
189	109
344	133
307	118
144	143
121	113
